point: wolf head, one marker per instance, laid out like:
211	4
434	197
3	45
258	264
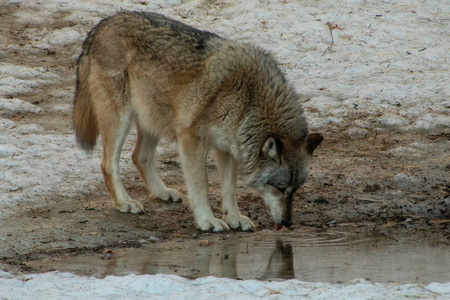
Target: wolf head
274	148
281	168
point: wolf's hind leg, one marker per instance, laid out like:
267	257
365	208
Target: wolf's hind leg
193	161
228	174
113	135
144	160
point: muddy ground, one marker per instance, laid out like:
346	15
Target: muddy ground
384	183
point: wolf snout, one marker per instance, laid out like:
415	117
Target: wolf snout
279	226
286	223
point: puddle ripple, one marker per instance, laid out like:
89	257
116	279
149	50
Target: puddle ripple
321	239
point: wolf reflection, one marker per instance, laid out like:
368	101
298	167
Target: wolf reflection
279	266
281	263
223	260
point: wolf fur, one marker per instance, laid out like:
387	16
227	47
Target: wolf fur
203	91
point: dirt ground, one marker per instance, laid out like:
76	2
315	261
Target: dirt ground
371	184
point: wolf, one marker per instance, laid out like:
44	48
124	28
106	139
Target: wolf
204	91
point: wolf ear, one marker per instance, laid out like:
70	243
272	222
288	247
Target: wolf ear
272	149
312	141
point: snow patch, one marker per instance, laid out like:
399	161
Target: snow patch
69	286
18	105
16	80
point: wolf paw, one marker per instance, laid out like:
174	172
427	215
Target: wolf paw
169	195
240	222
213	224
131	206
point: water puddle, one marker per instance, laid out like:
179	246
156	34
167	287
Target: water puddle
325	256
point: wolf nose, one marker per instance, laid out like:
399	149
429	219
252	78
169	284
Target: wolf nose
286	224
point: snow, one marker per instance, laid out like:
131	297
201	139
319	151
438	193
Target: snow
15	80
26	153
387	69
17	105
56	285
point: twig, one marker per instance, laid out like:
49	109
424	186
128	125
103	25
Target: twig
331	27
272	292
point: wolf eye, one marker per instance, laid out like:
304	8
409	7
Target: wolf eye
280	189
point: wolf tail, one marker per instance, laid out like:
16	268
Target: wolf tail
84	118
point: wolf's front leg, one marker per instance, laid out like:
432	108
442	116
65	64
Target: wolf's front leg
228	173
193	155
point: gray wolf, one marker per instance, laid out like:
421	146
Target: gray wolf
204	91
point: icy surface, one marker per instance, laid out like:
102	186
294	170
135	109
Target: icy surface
57	285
